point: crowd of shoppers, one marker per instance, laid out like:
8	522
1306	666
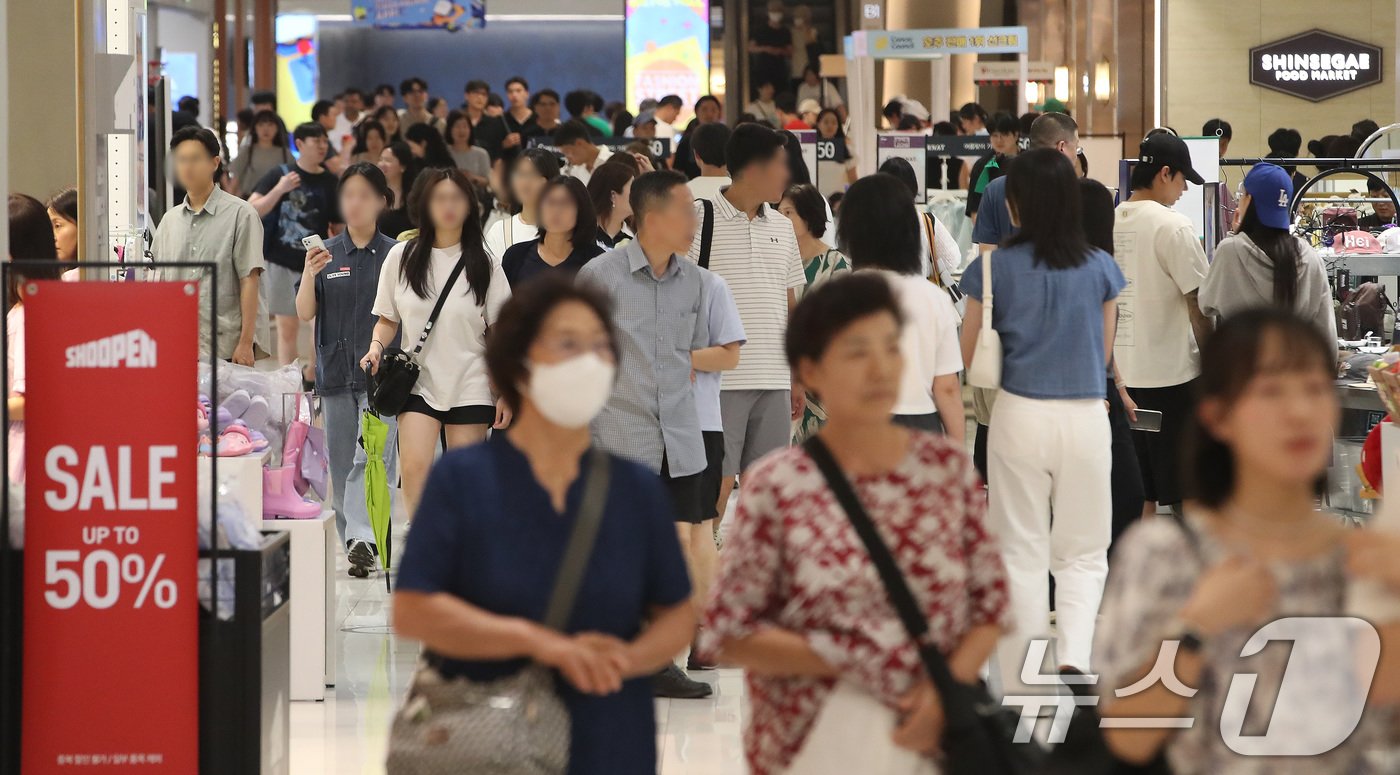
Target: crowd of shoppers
628	339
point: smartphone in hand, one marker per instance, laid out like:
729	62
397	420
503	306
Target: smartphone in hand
312	242
1148	420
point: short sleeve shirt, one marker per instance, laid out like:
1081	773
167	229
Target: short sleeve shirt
308	209
487	534
993	218
345	291
660	321
522	261
929	341
1050	321
453	360
1162	259
760	261
725	328
226	232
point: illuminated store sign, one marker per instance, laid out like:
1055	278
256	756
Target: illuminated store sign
1315	65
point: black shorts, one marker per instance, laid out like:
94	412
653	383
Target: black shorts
712	480
457	415
930	422
1159	454
685	494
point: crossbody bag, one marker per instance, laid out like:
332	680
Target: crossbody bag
515	725
978	731
399	370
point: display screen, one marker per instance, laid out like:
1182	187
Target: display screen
668	51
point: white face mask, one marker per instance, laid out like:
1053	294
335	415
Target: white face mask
571	393
775	17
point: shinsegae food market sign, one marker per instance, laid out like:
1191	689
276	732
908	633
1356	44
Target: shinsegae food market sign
1315	65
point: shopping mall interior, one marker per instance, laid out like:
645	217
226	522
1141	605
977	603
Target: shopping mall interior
930	516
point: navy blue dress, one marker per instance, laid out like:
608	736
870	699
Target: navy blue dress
487	533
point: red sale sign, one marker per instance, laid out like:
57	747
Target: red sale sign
111	641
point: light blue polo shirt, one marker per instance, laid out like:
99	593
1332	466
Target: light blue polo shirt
726	327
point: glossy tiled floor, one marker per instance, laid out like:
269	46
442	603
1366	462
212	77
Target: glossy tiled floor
346	734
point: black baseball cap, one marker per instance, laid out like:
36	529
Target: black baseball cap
1167	150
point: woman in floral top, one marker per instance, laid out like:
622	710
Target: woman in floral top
1253	552
833	679
804	206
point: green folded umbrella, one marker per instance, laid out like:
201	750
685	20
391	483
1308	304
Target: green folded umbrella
374	436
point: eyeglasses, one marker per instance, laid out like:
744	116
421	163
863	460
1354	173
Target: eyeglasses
565	347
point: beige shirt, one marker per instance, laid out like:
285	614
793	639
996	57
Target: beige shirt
228	233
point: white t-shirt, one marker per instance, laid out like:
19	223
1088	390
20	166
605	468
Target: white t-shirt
929	341
497	240
453	359
1157	249
584	173
707	188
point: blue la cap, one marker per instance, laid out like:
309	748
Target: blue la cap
1270	190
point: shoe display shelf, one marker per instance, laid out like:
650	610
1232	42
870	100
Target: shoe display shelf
312	647
244	676
242	477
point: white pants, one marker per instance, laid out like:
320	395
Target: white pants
1050	459
852	734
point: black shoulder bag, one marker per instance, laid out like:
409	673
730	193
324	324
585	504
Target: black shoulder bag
978	730
399	370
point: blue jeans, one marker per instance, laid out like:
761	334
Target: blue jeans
342	416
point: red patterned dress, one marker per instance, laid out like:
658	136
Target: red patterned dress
793	561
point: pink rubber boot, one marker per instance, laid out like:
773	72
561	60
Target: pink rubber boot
280	498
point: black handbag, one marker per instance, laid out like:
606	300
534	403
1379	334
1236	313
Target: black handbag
399	370
978	730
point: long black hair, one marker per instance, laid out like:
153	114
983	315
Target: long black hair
1283	251
879	228
798	174
435	152
1254	342
362	135
418	252
1043	188
585	232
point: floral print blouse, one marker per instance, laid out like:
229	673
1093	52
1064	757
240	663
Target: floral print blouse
792	560
1155	568
828	265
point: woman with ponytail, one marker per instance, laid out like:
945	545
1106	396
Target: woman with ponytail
1262	264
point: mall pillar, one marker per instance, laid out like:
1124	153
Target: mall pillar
264	45
914	79
42	97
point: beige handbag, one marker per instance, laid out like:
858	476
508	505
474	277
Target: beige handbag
985	369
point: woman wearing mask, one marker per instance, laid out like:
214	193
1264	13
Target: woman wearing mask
610	190
1055	308
31	239
1251	549
528	173
1263	264
452	392
429	149
475	161
568	237
337	292
396	162
491	533
804	207
370	142
267	151
388	118
835	682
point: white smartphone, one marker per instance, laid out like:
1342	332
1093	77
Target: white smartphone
1148	420
313	242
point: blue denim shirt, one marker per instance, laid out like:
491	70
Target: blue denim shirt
345	290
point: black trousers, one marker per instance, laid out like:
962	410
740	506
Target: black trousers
1126	478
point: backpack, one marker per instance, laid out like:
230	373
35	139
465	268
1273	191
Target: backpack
1363	311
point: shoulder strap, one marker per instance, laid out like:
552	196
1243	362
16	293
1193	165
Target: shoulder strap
508	229
987	291
707	232
934	274
442	299
915	623
581	540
